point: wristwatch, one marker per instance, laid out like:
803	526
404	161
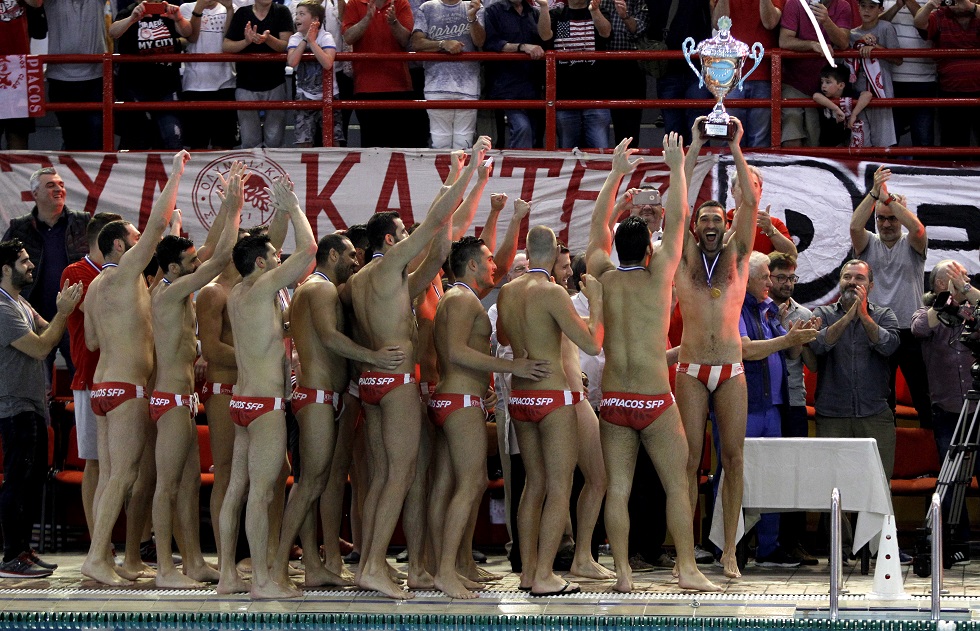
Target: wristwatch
966	288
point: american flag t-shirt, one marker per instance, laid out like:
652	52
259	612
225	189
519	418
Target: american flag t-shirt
575	35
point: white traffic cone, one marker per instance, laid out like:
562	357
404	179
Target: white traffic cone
888	583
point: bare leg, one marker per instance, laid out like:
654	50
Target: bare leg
665	442
442	490
590	461
532	499
125	438
377	470
619	446
188	523
730	410
332	498
139	509
402	421
174	439
466	437
692	402
222	432
90	481
414	512
231	509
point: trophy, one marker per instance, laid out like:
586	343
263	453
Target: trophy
722	59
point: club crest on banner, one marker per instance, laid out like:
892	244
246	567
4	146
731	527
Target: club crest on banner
257	209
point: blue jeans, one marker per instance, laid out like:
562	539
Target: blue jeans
756	121
764	425
25	463
921	121
681	86
521	129
588	129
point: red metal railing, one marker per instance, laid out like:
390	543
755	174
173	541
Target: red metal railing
549	103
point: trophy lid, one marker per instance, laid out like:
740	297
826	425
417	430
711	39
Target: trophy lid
723	44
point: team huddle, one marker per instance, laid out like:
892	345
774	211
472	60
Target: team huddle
395	336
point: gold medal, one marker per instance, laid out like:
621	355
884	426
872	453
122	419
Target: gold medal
715	292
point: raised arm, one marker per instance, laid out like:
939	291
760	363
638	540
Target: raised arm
39	346
677	212
917	231
600	235
231	206
589	336
464	213
289	272
859	234
504	256
134	261
749	207
544	21
489	232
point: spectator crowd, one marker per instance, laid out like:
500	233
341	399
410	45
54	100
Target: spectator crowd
845	112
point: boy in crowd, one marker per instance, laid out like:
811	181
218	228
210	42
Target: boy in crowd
308	38
842	123
875	75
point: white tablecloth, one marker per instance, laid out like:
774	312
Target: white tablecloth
787	474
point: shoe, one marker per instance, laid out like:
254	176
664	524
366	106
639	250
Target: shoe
353	558
23	567
479	557
959	558
778	558
904	559
639	564
38	562
702	556
402	556
664	561
295	553
564	559
804	557
345	547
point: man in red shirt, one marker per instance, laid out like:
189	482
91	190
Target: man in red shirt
85	271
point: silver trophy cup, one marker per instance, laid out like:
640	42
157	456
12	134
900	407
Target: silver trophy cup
722	59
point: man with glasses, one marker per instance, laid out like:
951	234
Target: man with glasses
899	263
782	275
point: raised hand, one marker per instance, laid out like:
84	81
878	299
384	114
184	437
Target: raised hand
674	150
180	159
882	175
313	31
521	208
283	197
498	201
734	142
68	297
621	162
480	149
764	220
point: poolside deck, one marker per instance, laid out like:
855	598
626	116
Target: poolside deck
761	593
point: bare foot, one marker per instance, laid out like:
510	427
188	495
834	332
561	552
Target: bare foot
423	580
205	573
696	581
320	577
554	585
452	587
675	572
394	574
624	582
382	584
245	566
730	564
231	583
591	569
479	575
176	580
470	585
103	573
294	570
273	591
133	572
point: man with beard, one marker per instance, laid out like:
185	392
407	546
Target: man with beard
118	322
462	342
710	281
852	348
173	405
25	340
317	324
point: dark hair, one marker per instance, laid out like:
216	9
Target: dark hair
563	249
169	250
711	203
314	7
781	260
578	268
358	235
840	74
151	268
336	242
113	230
247	250
10	252
462	252
379	226
96	223
632	240
257	231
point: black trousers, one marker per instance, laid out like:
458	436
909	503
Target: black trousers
25	463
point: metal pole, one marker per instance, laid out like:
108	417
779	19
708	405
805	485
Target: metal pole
836	559
936	512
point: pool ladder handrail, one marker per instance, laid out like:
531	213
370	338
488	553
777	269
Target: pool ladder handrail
936	519
836	554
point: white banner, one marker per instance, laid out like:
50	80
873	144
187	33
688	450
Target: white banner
341	187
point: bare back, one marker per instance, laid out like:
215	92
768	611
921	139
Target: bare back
119	306
711	324
383	309
636	308
259	320
176	349
214	328
525	307
322	368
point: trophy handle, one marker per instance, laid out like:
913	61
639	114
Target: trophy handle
687	47
756	54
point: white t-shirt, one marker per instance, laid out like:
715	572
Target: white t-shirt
915	69
439	21
210	76
309	74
